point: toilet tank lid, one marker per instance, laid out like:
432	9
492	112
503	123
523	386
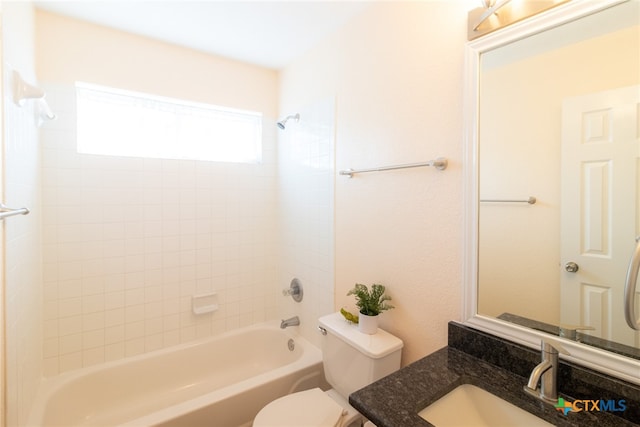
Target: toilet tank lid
375	346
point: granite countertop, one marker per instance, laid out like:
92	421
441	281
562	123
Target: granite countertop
394	401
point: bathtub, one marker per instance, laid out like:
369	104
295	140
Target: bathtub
219	382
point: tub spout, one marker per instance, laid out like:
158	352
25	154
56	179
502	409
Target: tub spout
294	321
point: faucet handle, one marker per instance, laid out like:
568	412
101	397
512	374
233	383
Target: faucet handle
550	345
295	290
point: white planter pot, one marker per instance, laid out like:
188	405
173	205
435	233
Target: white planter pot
367	324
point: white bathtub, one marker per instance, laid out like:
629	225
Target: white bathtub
220	382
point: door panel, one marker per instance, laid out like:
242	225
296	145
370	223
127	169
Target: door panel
599	216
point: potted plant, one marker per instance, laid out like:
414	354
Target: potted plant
370	304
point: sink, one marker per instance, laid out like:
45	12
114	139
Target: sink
471	406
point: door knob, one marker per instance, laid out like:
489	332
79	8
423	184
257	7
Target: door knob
571	267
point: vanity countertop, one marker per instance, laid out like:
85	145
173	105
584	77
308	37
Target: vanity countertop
394	401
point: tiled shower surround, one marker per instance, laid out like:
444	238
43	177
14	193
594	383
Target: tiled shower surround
128	242
306	205
22	260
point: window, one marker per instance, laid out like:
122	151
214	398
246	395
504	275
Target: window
122	123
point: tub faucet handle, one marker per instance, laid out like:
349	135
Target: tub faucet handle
295	290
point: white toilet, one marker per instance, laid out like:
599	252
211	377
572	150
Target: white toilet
351	361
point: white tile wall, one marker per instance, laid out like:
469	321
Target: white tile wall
23	272
129	241
306	176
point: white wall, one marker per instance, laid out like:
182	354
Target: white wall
70	50
23	273
396	74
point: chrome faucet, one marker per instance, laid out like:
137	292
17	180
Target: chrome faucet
546	374
294	321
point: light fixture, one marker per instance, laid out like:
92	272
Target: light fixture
493	14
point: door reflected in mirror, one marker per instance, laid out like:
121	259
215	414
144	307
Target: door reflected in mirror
559	120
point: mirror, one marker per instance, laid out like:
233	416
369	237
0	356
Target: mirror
548	130
553	212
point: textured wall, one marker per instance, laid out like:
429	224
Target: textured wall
396	73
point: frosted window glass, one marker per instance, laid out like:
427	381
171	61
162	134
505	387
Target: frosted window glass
115	122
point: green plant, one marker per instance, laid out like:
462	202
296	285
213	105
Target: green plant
371	302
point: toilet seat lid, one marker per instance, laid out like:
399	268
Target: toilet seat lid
306	408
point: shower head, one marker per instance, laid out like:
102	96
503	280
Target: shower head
281	124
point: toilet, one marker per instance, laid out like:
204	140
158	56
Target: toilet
351	361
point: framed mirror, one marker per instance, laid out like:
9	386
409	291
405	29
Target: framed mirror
551	215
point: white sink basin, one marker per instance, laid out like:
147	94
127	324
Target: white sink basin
471	406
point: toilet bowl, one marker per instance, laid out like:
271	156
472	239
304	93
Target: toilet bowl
308	408
351	360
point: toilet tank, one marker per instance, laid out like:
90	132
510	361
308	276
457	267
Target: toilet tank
353	360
